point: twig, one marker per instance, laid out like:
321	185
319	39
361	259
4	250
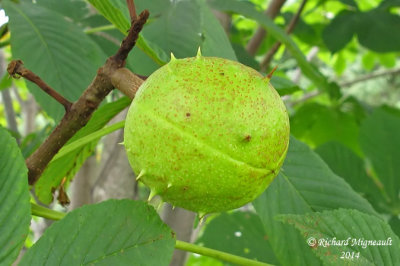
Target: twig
16	67
132	9
81	111
255	42
306	97
129	42
268	57
395	71
316	93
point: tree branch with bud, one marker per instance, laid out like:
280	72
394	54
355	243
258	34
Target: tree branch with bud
78	113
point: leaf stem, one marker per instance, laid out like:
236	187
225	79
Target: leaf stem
47	213
217	254
100	28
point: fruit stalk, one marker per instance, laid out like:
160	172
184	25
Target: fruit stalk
126	82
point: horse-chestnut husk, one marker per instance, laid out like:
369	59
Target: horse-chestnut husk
206	134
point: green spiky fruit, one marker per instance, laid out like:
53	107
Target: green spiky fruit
206	134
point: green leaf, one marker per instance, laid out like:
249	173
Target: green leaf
350	3
305	184
106	35
355	108
281	197
5	82
345	163
244	57
317	184
115	232
77	144
168	33
14	199
196	260
32	141
248	10
340	31
306	32
239	233
380	142
284	86
331	234
101	117
316	124
117	13
215	42
368	60
340	63
55	49
378	30
389	3
388	59
70	163
201	29
394	223
98	29
152	50
112	13
74	9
